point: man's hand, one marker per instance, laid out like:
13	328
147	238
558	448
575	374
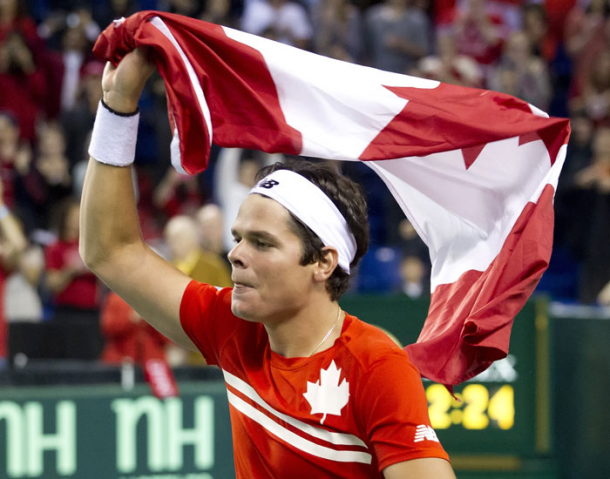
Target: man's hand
123	85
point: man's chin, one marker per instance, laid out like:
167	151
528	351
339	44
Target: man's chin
242	311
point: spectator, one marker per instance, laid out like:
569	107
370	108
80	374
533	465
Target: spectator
586	32
127	336
54	25
521	73
411	244
12	246
450	67
74	290
22	299
75	49
596	178
281	20
413	275
338	28
542	40
211	224
20	75
398	35
594	95
49	181
479	35
70	38
415	262
186	253
181	236
14	18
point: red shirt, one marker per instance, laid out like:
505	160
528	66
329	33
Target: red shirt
27	95
126	338
81	292
347	412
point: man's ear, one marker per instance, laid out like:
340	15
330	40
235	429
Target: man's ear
326	264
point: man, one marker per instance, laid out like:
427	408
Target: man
314	392
398	35
187	255
210	223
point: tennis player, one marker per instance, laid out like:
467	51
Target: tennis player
314	392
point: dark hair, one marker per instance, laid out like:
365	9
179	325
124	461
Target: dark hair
349	200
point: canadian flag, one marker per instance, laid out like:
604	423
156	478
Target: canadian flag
475	171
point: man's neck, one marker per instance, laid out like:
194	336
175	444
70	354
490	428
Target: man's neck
299	335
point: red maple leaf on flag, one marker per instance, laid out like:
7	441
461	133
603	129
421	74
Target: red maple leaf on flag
444	118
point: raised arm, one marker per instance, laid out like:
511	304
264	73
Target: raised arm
111	243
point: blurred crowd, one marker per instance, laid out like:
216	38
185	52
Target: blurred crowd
555	55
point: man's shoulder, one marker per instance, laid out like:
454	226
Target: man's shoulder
198	296
371	345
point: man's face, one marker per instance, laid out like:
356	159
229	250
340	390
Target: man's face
270	283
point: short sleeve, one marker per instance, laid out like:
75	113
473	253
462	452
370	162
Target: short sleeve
394	412
205	315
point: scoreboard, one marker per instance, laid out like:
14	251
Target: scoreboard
501	417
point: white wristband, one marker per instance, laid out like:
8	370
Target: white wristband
114	136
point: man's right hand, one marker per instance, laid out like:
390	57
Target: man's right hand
123	85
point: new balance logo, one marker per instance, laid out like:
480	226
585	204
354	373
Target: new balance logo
425	432
269	184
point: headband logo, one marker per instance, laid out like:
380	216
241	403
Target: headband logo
268	184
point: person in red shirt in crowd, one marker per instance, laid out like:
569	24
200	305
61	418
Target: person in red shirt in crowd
21	76
74	290
127	335
479	34
313	391
74	287
13	18
12	245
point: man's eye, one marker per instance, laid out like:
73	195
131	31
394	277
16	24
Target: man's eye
261	244
236	239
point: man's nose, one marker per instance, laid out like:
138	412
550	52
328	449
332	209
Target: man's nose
236	255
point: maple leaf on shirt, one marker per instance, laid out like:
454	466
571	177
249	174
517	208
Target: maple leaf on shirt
327	396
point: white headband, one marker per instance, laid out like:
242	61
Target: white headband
311	206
